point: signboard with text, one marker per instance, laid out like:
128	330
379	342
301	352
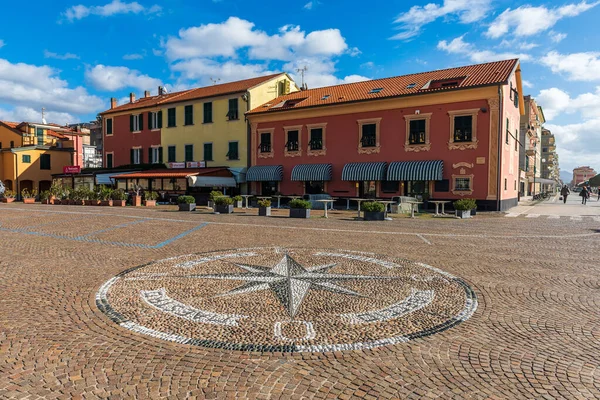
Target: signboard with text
176	165
196	164
71	169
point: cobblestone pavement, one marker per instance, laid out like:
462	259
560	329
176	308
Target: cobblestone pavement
535	332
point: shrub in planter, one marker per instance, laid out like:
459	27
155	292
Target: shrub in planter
373	211
119	198
45	196
150	199
463	207
300	208
264	208
186	203
29	197
238	201
224	205
105	195
8	196
212	196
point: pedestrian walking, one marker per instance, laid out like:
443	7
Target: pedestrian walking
584	195
564	192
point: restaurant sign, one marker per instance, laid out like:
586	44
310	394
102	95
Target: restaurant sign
71	169
196	164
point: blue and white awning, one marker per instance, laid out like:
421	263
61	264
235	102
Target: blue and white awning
264	173
365	171
415	171
311	172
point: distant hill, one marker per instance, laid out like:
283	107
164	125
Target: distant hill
566	176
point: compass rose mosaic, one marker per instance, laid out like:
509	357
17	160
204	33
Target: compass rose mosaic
286	299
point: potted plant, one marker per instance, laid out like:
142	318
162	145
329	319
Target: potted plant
119	198
8	196
463	207
55	191
224	205
186	203
64	197
264	208
238	201
45	196
106	196
300	208
93	198
136	199
373	211
29	197
151	197
212	196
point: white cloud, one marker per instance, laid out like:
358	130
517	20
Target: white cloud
368	65
576	66
66	56
557	37
529	20
515	44
555	102
459	46
20	114
225	39
134	56
108	78
310	5
40	86
467	11
527	84
321	72
113	8
203	69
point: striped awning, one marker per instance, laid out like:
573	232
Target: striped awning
415	171
312	172
264	173
364	171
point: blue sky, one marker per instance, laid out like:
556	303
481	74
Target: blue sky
71	56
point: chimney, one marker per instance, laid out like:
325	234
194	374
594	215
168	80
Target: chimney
146	93
131	97
113	102
160	90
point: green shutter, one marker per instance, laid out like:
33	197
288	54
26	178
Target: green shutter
160	119
131	160
149	120
131	123
150	160
160	155
141	120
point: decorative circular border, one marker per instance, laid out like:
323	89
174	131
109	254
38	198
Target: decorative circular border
104	306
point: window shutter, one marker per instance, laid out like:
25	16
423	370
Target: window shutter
160	155
141	120
150	160
159	119
149	120
131	123
141	156
131	161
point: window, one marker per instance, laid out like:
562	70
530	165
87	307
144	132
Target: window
515	184
516	141
462	184
208	113
136	156
325	97
507	130
189	152
463	128
293	143
511	91
410	86
155	120
109	126
155	155
109	160
369	135
376	90
0	145
171	118
417	132
265	142
45	161
316	139
26	159
136	123
390	186
208	151
232	154
232	114
172	154
189	115
12	144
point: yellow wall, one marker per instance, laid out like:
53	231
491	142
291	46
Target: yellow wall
31	171
6	135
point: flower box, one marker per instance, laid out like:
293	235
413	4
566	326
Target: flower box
374	215
119	203
106	203
264	211
224	208
150	203
187	207
299	212
65	202
29	200
7	200
463	213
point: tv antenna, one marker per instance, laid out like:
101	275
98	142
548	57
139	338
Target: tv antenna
215	81
302	71
44	116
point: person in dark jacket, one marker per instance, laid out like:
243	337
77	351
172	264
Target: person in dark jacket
564	192
584	195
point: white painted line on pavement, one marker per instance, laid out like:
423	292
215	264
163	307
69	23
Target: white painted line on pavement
553	216
425	240
532	216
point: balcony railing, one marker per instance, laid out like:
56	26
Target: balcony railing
265	147
368	141
316	145
292	146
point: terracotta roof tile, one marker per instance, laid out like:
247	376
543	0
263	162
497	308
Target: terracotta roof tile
192	94
406	85
55	134
11	124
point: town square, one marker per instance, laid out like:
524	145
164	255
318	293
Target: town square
304	200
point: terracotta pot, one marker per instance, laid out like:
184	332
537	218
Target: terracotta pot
150	203
7	199
29	200
79	202
119	203
137	201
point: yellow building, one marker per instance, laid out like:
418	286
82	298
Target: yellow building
25	164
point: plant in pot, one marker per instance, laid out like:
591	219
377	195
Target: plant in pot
186	203
65	197
8	196
224	205
29	197
300	208
373	211
264	208
238	201
55	192
45	196
106	196
137	197
94	198
463	207
151	197
213	196
119	198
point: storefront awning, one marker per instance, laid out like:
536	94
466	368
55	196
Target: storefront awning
365	171
545	181
104	179
311	172
239	174
212	181
415	171
264	173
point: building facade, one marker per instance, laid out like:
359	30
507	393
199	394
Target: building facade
550	165
582	174
530	152
445	134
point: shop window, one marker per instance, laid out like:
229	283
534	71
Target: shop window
390	186
314	187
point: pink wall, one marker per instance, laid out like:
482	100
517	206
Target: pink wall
78	146
510	156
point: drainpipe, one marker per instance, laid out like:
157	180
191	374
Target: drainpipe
17	175
248	139
500	119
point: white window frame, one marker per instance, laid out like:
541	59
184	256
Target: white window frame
154	121
137	155
136	122
155	155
